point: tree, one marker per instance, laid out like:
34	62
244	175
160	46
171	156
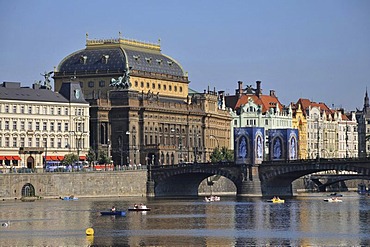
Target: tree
221	155
91	157
103	157
69	159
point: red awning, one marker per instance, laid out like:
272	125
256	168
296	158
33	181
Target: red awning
60	158
8	157
16	158
2	157
82	157
51	158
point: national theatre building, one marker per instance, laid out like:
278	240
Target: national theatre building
141	108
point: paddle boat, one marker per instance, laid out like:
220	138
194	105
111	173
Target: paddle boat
276	200
212	198
69	198
333	199
140	207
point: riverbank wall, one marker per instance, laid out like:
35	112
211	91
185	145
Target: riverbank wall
79	184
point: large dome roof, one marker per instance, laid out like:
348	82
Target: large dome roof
115	55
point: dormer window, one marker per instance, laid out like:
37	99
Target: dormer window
169	63
83	59
136	57
148	59
159	61
105	58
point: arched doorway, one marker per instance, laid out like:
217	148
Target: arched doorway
30	162
28	190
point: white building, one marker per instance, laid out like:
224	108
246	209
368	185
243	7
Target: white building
37	124
330	132
250	108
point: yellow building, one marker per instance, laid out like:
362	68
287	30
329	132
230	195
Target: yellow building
299	122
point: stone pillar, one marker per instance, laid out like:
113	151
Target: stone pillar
150	189
251	185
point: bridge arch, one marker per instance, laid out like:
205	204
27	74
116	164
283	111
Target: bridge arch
277	178
185	181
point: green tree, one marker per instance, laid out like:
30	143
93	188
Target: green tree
69	159
91	157
103	157
221	155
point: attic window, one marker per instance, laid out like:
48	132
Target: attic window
170	63
136	57
159	61
148	59
104	59
83	59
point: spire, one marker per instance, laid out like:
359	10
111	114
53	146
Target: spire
366	101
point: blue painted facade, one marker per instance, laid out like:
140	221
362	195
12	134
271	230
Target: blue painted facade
283	144
249	145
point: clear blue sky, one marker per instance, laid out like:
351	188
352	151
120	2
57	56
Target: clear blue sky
313	49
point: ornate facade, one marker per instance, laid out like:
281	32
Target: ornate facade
329	133
363	120
250	108
141	111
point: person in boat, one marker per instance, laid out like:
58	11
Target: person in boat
113	209
135	206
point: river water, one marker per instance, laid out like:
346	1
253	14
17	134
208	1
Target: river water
301	221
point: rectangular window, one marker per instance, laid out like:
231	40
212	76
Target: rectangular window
6	125
30	110
52	126
37	127
52	110
22	141
59	142
59	111
14	109
6	109
29	125
66	127
6	141
38	142
44	126
30	142
91	84
66	111
14	142
59	126
52	142
14	124
101	83
22	109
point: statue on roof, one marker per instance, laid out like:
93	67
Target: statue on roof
123	82
46	82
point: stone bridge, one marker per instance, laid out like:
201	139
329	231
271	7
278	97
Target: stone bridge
267	179
277	177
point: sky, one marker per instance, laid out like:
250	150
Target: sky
318	50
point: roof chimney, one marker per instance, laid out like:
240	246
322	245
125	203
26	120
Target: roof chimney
258	89
239	91
272	93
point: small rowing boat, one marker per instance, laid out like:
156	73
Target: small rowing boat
114	213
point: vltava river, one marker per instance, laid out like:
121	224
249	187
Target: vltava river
300	221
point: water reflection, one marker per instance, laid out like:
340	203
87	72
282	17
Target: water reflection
231	222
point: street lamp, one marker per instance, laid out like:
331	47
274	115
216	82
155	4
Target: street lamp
213	137
128	147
